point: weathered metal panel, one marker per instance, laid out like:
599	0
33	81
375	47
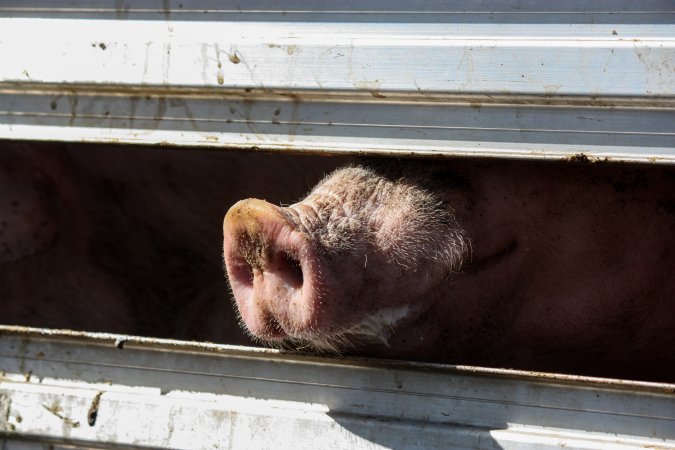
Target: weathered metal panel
91	389
533	79
518	79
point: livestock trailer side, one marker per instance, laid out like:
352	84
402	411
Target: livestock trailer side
536	80
509	79
84	389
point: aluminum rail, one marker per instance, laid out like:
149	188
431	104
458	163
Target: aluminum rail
518	79
96	390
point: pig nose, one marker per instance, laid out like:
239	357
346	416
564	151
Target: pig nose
266	263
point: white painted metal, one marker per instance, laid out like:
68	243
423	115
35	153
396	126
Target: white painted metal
512	78
90	389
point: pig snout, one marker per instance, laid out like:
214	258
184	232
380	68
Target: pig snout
343	268
269	265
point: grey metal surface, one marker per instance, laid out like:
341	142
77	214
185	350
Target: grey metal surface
91	389
532	79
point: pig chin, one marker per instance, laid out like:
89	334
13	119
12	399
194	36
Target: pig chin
374	331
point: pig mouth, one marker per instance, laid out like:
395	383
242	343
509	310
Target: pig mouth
374	331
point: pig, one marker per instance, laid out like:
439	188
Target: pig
125	239
557	267
540	266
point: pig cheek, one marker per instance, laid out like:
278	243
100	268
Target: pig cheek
27	220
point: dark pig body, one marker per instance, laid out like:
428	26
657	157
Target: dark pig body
125	239
553	267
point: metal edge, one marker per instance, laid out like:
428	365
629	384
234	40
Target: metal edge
208	348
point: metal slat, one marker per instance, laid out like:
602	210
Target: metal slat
517	79
92	389
511	79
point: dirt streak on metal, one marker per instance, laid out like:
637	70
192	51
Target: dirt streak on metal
92	414
84	89
56	410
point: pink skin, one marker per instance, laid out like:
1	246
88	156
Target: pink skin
258	299
570	269
265	246
282	294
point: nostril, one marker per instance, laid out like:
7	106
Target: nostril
291	270
242	273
